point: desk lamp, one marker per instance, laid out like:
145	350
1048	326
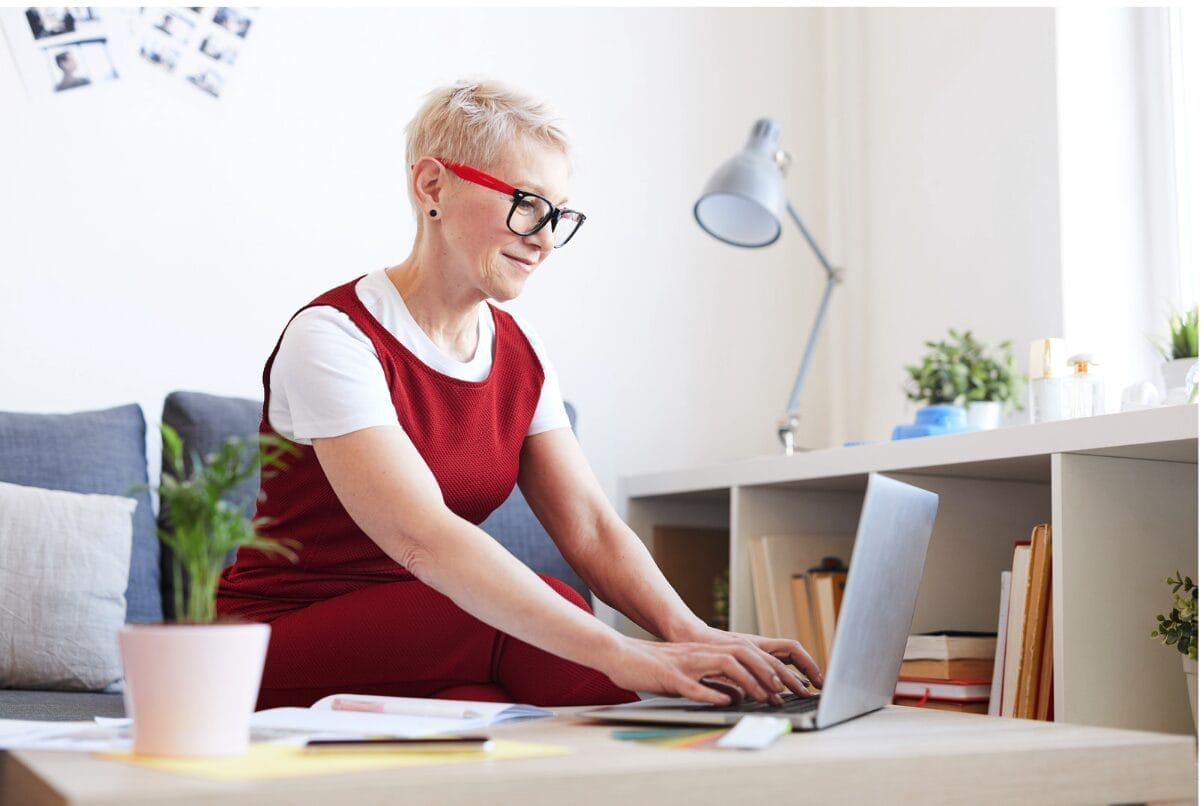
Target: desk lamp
742	206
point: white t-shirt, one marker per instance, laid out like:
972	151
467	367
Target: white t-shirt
327	381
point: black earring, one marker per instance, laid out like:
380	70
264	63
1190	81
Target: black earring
434	213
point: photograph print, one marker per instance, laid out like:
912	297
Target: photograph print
58	49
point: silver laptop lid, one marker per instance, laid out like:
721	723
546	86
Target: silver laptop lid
879	599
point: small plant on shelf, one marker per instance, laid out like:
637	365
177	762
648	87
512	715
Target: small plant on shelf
964	370
1180	628
1184	336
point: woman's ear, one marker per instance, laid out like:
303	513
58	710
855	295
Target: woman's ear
428	178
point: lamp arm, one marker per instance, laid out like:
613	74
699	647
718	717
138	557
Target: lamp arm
823	261
790	422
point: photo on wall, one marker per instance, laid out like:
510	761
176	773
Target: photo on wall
198	45
61	49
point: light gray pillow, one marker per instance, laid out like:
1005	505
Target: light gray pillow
64	565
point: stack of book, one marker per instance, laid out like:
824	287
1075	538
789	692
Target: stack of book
798	584
815	597
1023	678
948	670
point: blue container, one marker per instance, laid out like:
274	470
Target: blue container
933	420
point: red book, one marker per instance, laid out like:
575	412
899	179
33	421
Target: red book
950	690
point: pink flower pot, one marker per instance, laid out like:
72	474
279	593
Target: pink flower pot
191	688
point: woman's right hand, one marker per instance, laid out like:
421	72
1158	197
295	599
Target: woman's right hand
677	669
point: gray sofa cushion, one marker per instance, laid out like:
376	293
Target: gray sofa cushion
91	452
59	706
204	422
516	527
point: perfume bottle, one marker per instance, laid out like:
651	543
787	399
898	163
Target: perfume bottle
1084	389
1046	364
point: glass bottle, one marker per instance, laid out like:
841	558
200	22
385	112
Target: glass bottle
1084	389
1045	369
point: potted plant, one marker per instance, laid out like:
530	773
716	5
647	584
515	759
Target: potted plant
1180	352
993	382
191	686
1180	629
955	375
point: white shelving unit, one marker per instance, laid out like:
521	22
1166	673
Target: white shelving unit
1119	490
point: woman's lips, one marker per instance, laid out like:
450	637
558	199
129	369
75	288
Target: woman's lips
526	266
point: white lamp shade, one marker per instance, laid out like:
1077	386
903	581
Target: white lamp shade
743	202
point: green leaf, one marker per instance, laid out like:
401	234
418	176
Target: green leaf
205	524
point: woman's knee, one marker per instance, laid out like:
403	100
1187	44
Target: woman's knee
567	591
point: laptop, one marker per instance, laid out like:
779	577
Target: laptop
871	633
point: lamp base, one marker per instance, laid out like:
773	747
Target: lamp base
786	437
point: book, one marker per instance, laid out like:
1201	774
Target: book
1005	591
775	559
804	621
1017	598
949	645
393	716
762	596
969	707
1036	610
827	590
1045	688
953	669
960	690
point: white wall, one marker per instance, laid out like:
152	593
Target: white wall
152	239
946	192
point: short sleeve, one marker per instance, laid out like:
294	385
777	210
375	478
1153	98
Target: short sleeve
549	412
326	380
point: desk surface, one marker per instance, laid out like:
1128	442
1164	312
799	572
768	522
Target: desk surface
895	755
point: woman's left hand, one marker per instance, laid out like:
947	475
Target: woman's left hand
785	650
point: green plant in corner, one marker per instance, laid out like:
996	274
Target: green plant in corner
204	525
964	370
1184	336
1181	627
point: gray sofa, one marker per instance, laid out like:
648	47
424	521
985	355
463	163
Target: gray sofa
104	452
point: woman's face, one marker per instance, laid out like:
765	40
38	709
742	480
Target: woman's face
485	254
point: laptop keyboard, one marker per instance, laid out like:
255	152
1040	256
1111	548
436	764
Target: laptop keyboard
791	704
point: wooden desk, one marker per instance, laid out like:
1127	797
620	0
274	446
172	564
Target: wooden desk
895	755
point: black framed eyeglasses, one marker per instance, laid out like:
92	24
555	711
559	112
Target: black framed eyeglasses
529	212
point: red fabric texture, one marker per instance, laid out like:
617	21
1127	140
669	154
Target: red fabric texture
404	639
469	433
346	618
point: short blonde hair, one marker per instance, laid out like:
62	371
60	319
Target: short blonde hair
473	121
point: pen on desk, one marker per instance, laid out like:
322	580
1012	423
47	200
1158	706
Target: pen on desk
432	710
430	744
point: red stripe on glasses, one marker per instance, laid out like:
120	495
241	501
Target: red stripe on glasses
470	174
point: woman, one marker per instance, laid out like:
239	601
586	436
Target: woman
421	405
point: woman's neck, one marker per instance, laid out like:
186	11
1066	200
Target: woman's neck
448	318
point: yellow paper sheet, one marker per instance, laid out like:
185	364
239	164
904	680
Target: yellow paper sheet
283	760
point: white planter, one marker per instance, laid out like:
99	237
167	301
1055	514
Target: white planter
191	688
1189	669
1174	375
984	414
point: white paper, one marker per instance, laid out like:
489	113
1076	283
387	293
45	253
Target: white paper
313	720
321	718
754	733
428	707
76	736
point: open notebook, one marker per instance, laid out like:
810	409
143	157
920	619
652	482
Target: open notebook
407	717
